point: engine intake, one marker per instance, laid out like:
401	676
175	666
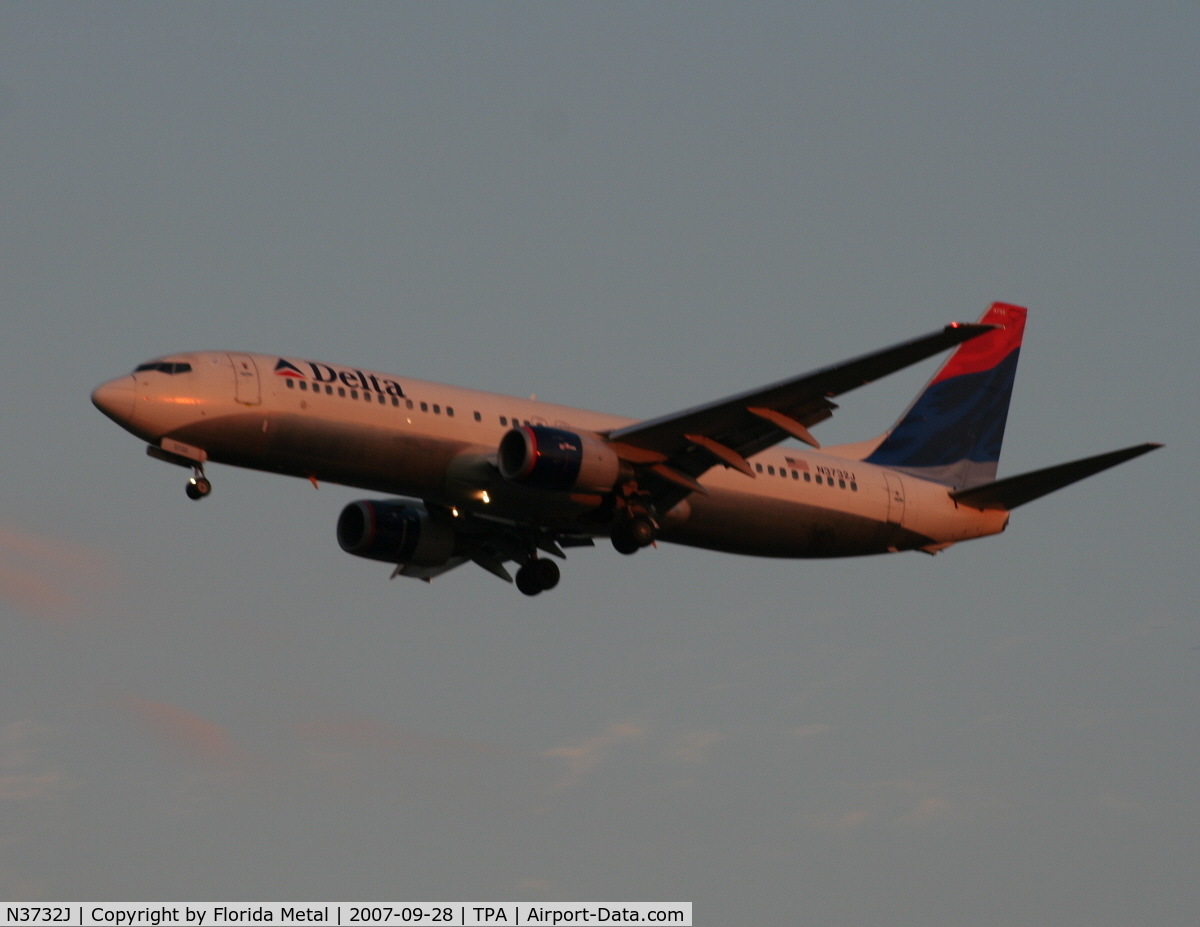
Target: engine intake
394	532
551	458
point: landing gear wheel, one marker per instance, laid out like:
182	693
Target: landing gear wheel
527	579
198	487
537	576
546	572
642	530
623	540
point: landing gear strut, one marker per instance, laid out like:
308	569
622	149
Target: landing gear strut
198	486
631	535
537	576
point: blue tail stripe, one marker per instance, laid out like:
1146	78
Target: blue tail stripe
961	418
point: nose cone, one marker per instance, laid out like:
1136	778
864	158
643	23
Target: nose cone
116	399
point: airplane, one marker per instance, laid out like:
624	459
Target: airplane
490	479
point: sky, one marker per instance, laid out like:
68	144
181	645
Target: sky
633	208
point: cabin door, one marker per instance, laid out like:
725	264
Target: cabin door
245	375
895	487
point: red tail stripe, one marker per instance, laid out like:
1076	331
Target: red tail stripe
986	351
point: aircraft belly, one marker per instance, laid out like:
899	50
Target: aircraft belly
403	463
742	523
349	453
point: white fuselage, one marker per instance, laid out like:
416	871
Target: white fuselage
407	437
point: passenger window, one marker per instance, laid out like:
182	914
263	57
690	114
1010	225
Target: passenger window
424	407
808	477
353	394
291	383
342	391
478	417
395	401
437	410
818	479
503	420
303	384
770	471
795	475
408	403
841	484
853	486
449	411
758	468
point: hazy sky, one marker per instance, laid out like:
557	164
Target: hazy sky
633	208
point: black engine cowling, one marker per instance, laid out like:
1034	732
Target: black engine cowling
395	532
555	459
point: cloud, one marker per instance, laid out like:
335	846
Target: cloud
585	755
928	810
364	733
542	888
20	780
891	803
810	730
187	734
23	788
845	821
50	577
693	747
1118	803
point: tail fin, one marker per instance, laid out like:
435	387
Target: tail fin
952	432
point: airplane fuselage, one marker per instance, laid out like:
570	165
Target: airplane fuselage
406	437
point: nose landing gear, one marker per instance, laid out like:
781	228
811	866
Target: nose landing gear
198	486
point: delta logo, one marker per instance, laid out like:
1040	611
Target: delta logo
323	373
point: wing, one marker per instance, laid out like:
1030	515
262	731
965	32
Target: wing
673	451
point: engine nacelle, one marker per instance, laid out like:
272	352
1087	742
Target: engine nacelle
395	532
551	458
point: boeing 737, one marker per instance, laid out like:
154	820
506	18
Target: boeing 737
490	479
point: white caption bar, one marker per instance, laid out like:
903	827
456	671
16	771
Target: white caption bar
394	914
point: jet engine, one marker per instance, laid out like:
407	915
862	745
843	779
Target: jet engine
395	532
551	458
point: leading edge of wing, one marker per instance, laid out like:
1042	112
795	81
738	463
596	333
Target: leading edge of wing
666	434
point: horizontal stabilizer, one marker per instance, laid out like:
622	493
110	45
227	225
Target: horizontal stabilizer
1005	495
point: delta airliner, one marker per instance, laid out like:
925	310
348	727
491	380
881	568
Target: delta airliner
479	477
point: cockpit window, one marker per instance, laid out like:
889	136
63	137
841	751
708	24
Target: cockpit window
164	367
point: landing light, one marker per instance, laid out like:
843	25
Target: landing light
485	497
454	512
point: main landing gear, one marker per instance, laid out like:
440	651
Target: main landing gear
538	575
631	535
198	486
